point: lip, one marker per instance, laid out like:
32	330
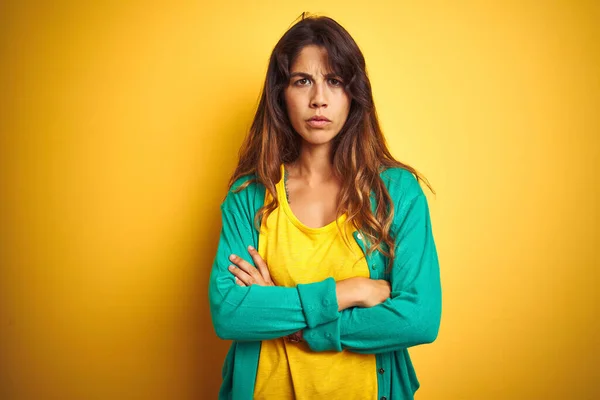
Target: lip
317	123
319	118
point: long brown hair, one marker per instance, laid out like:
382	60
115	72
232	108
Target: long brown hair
359	151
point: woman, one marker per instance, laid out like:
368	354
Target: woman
326	269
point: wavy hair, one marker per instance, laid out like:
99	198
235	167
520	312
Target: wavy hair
359	150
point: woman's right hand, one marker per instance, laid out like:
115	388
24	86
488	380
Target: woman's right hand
361	292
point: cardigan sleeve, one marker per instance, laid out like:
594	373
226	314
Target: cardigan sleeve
261	312
412	314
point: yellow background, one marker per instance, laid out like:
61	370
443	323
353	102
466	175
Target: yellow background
120	126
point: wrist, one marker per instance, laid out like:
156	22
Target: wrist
349	293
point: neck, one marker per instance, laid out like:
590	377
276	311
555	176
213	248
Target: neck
313	164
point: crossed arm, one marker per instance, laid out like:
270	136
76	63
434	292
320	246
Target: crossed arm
352	292
354	314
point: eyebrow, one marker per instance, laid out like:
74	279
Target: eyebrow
309	76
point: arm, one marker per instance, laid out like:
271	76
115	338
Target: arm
261	312
412	314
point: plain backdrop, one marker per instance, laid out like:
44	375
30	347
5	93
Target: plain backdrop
120	126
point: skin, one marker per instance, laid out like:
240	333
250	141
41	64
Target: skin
312	185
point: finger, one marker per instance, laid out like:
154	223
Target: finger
261	264
241	275
247	268
239	282
295	337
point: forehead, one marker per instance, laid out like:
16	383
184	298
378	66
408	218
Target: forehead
311	59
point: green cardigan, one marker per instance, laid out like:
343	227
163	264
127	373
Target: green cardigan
411	316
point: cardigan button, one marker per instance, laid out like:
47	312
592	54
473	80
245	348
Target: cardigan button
373	267
383	398
359	236
381	370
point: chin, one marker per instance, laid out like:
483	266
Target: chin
317	137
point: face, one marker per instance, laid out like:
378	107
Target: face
314	91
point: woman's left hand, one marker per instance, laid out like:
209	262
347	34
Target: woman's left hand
246	274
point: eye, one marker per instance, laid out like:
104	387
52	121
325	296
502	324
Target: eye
299	82
335	82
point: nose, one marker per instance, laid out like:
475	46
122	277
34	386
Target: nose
318	96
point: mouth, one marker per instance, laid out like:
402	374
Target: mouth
318	121
319	118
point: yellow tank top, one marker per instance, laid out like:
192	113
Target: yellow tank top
296	253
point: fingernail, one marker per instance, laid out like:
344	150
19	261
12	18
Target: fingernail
231	268
232	257
250	248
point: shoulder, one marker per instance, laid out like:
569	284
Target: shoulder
405	192
240	181
247	199
401	184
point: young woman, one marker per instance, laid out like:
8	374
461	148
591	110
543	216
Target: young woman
326	269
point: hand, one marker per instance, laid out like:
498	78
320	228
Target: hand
361	292
246	274
374	292
295	337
